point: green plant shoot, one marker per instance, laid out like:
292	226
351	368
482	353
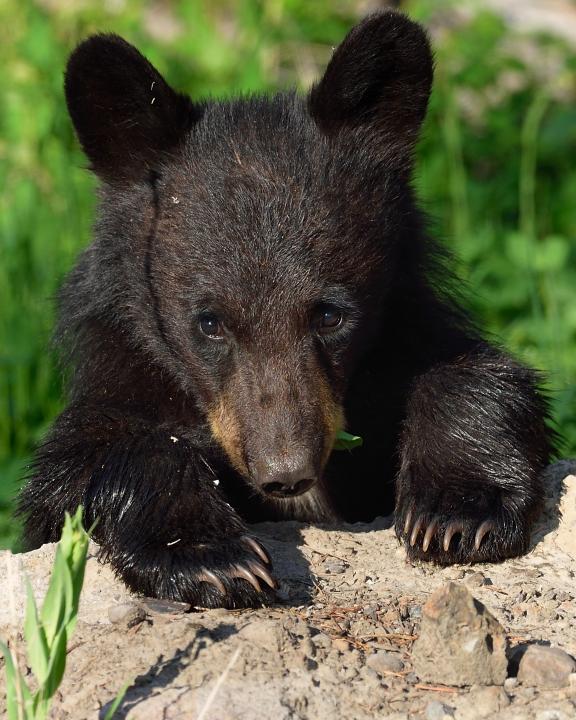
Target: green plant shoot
46	632
346	441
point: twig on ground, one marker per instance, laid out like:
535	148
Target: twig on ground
217	685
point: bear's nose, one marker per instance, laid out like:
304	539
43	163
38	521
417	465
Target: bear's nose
285	477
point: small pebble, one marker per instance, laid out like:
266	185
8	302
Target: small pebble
415	611
333	566
384	662
127	614
477	579
435	710
510	684
321	640
546	667
551	715
371	611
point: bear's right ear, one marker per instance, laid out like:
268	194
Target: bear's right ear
377	83
126	116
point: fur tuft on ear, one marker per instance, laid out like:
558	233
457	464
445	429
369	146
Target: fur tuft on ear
125	114
379	79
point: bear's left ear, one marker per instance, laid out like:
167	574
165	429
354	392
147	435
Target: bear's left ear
379	80
126	116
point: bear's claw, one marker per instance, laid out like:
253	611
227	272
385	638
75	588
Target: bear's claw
418	525
251	574
486	527
255	546
208	576
253	571
456	527
261	572
429	534
237	571
428	529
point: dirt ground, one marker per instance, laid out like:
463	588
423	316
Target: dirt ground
338	644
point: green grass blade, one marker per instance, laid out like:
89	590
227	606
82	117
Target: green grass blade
117	700
11	681
65	543
59	598
14	683
36	644
56	666
76	560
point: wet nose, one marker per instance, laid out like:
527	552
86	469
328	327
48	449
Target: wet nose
286	477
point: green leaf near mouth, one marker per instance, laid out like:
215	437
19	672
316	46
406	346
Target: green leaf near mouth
346	441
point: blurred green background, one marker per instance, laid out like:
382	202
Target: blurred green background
496	167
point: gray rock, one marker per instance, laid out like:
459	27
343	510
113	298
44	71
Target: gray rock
321	640
126	614
371	611
335	566
477	579
415	612
482	702
435	710
510	684
460	642
546	667
384	662
551	715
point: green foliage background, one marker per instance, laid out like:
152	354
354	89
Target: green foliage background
496	168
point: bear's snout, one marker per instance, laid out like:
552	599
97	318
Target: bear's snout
286	476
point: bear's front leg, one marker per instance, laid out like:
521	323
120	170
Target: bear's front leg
162	520
473	446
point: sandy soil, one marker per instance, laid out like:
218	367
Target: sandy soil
338	644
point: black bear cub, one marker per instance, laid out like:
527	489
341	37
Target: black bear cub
261	278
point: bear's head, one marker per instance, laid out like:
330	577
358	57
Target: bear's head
247	247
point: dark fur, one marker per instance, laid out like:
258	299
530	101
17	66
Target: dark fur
258	209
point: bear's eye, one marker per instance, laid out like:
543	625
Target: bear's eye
328	318
211	326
